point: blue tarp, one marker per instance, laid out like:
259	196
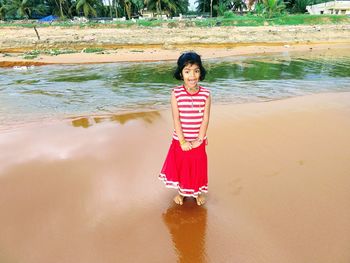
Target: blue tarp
48	19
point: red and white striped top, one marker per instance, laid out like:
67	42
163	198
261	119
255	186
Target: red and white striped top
191	111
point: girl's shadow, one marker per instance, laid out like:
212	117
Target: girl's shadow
187	226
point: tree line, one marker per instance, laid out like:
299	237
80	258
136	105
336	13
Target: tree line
32	9
267	8
20	9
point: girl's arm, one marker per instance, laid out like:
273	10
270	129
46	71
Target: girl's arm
205	123
177	124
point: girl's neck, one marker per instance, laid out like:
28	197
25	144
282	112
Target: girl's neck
193	90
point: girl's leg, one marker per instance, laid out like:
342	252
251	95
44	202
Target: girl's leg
179	199
200	199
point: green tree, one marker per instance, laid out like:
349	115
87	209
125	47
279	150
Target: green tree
221	8
129	8
116	7
238	5
298	6
61	8
203	6
270	8
89	7
23	8
214	7
60	4
170	7
2	10
181	6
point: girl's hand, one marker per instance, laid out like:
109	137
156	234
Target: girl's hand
187	146
196	143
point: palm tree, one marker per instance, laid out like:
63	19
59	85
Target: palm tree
23	8
212	6
238	5
88	7
203	5
17	8
116	4
128	7
272	7
298	6
110	8
154	5
58	7
2	10
60	2
176	7
250	4
171	7
182	6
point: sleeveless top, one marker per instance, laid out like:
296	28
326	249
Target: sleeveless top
191	111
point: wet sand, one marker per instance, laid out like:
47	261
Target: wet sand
86	189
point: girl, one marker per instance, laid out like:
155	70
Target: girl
185	167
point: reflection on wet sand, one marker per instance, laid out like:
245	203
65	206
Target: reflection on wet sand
71	195
187	226
85	122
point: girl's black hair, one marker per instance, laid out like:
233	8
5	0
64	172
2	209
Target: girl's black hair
189	58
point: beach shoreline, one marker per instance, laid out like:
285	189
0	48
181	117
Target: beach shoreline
160	44
157	55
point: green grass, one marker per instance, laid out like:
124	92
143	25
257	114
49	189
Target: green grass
309	20
92	50
52	52
253	20
55	52
25	56
227	20
31	54
247	20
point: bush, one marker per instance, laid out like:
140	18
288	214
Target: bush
300	6
270	8
229	14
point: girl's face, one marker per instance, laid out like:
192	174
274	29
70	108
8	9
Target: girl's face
191	74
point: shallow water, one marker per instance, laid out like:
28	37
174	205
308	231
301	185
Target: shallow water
49	92
279	191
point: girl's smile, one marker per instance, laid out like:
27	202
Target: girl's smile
191	74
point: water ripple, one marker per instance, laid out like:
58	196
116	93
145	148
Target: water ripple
68	90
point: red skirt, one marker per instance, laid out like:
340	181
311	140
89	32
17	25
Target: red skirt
186	171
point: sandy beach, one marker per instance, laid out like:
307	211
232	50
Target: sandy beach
86	189
154	44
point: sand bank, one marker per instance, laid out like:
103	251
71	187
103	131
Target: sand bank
154	44
86	189
157	54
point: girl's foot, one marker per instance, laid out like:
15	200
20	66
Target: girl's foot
179	199
200	200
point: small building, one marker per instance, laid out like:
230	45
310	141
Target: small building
107	2
147	14
330	8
